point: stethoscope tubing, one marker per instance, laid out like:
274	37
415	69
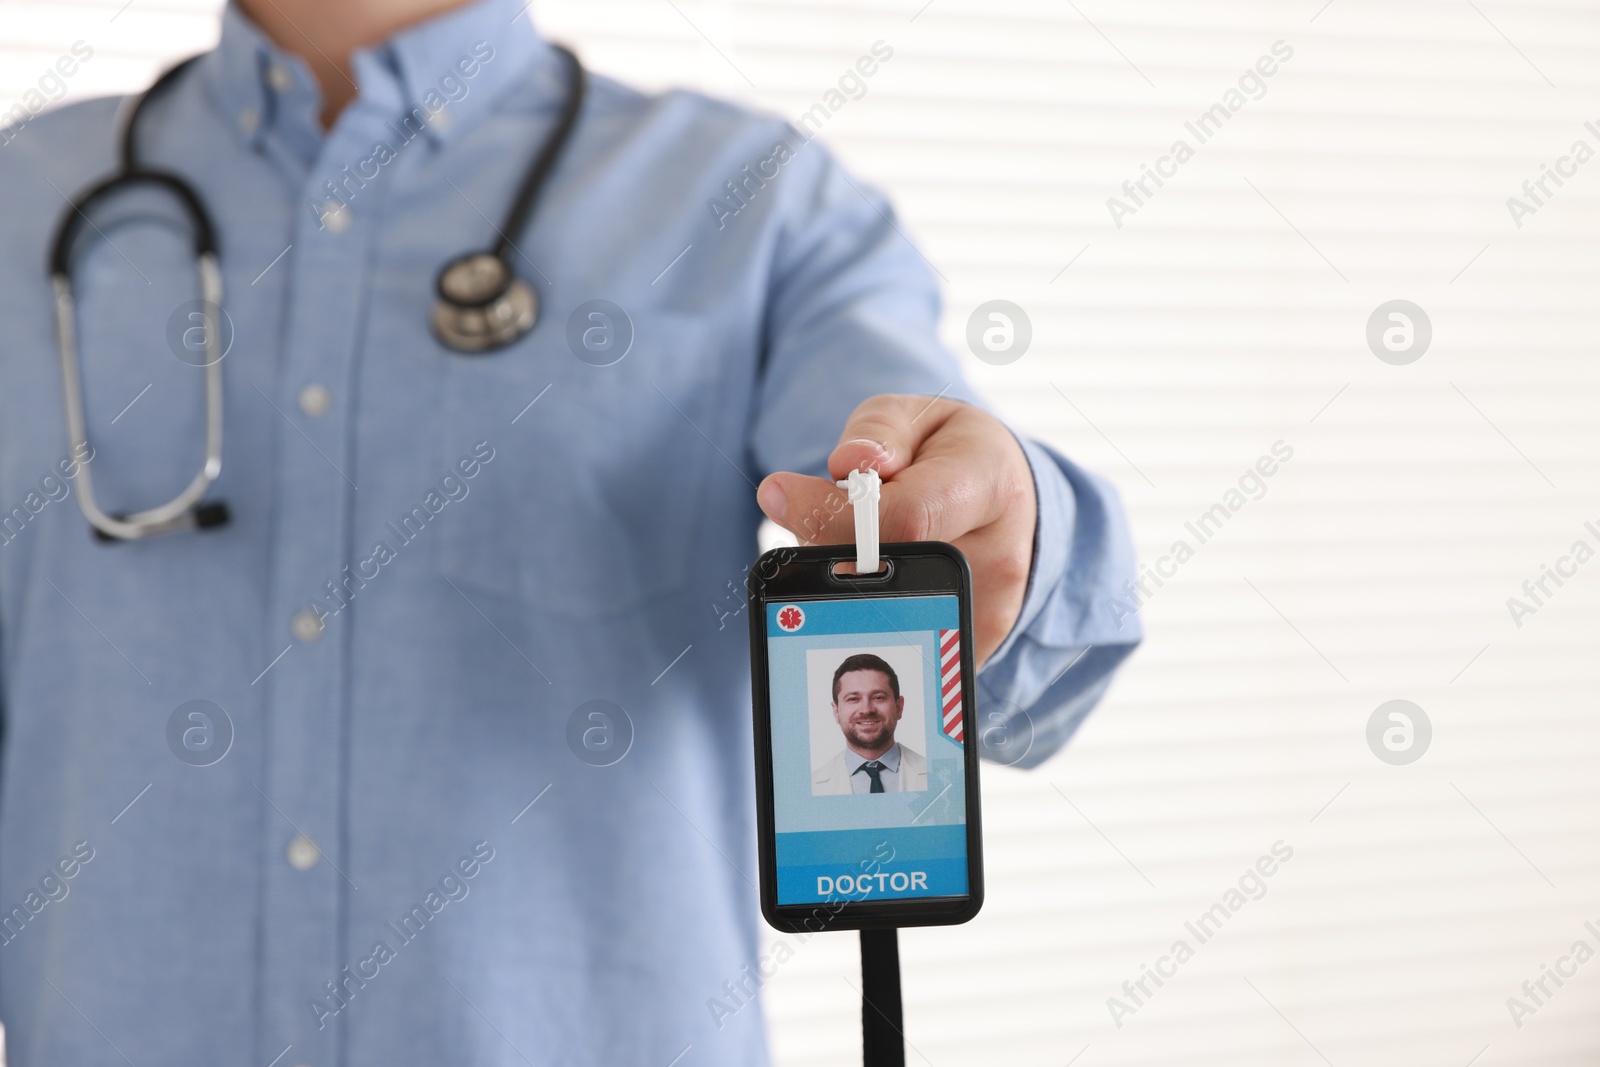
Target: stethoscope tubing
533	182
176	513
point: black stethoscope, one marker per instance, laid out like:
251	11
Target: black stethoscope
481	305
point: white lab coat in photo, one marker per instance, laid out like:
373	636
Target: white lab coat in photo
832	778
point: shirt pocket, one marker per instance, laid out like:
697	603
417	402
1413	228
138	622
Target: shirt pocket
591	501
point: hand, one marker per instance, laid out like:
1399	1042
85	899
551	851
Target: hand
951	472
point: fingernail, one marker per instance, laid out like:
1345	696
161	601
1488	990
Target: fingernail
874	462
772	500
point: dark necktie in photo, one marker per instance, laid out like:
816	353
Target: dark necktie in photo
872	767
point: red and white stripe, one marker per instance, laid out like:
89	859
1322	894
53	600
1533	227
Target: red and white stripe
950	681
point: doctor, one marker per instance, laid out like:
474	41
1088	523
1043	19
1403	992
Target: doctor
438	749
868	706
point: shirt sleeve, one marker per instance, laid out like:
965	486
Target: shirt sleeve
1075	626
853	311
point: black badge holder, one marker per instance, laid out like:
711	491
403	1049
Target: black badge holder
800	580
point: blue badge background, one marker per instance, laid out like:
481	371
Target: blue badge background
834	835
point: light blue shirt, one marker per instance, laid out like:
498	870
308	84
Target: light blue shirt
490	543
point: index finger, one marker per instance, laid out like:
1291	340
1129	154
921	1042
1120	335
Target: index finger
885	432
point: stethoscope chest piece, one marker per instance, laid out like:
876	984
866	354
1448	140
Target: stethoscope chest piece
481	305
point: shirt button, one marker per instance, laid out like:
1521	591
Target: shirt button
441	121
249	119
335	217
315	400
305	626
303	853
279	78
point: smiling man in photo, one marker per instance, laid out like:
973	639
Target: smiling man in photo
867	705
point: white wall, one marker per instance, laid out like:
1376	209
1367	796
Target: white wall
1226	314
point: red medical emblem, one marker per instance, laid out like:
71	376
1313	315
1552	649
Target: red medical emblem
791	618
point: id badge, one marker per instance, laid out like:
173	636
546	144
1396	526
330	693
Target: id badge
866	774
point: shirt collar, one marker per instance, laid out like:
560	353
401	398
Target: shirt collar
458	65
453	68
890	759
257	85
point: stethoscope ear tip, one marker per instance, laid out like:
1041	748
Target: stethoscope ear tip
206	516
209	516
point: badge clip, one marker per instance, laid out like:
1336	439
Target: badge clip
865	488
